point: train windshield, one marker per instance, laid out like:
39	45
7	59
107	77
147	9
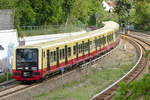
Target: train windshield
27	57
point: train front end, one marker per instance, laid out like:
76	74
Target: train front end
26	64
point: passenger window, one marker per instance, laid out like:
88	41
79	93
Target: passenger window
80	48
54	55
74	50
63	54
51	57
69	51
60	54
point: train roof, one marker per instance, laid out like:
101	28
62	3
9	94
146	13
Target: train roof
109	27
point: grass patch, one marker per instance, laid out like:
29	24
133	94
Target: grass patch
90	84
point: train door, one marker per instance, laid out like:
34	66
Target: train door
95	44
77	51
88	47
83	52
66	54
48	60
57	56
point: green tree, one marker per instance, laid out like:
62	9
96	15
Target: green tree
24	13
43	12
83	11
68	7
123	11
142	14
47	11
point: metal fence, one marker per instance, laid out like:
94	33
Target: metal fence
50	29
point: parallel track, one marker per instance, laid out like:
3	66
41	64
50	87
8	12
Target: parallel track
133	74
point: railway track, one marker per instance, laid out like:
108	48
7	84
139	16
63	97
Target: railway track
17	87
13	89
133	74
141	35
106	94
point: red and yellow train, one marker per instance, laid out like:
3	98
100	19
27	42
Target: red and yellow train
35	62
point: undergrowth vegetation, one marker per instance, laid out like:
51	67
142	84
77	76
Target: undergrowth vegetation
135	90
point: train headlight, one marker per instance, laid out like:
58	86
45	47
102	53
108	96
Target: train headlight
34	68
26	68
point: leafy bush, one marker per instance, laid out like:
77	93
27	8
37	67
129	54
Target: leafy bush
134	90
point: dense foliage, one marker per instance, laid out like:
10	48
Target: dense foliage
43	12
136	12
7	4
141	15
123	11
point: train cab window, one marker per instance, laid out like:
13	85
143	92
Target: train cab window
26	58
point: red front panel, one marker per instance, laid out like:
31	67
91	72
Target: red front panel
18	75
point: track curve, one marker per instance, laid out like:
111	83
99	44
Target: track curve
133	74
